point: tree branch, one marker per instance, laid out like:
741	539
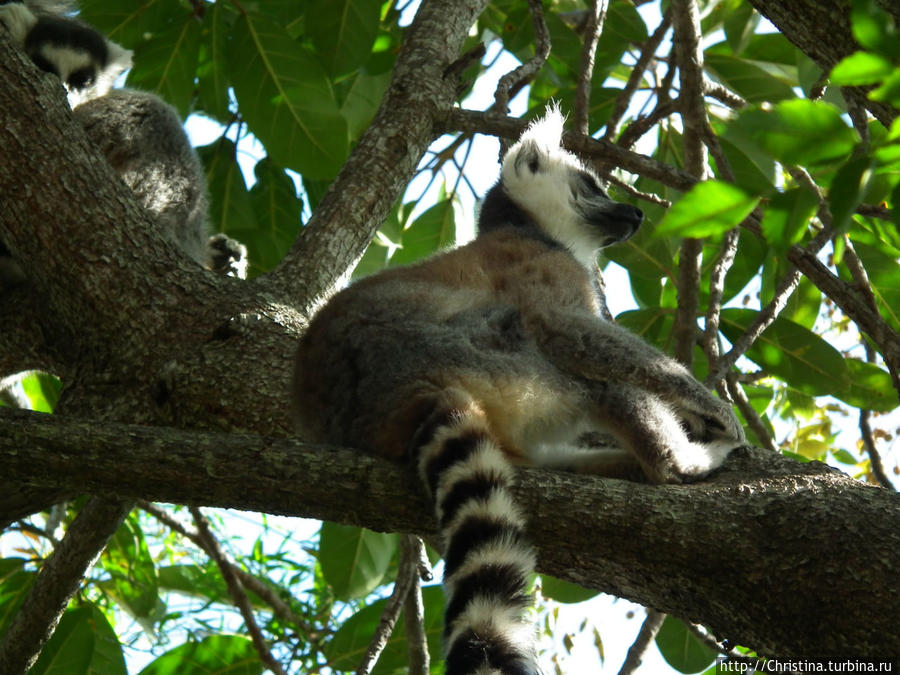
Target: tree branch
803	516
596	18
58	580
235	590
386	156
642	642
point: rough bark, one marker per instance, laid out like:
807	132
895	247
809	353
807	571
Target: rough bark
790	559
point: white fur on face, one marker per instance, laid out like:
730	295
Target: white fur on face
546	193
119	62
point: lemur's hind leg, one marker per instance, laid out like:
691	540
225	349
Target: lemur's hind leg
487	559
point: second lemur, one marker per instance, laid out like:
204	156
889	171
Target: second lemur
140	135
494	354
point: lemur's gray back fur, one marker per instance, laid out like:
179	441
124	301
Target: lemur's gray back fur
493	354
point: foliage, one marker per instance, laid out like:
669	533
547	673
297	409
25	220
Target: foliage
304	79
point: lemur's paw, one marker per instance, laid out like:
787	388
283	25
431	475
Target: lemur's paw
227	256
714	421
696	460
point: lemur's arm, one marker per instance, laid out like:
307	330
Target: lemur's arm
596	350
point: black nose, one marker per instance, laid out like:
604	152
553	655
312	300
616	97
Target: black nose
634	213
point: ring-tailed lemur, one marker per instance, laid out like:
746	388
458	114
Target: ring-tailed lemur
494	354
138	132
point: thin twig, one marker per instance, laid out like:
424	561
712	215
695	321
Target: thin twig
515	79
235	590
648	51
868	439
766	315
634	192
281	609
407	575
754	421
716	293
414	609
645	636
596	18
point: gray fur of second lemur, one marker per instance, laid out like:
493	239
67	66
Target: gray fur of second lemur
140	135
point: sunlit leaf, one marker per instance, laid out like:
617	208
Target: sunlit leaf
84	642
354	560
870	387
214	655
433	230
861	68
787	217
681	648
564	591
133	574
711	207
797	131
346	648
795	354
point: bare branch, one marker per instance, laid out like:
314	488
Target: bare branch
754	421
514	80
414	609
58	581
716	293
457	119
596	18
279	606
235	590
648	51
684	331
407	577
645	637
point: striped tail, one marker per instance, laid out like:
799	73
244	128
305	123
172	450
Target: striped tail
487	559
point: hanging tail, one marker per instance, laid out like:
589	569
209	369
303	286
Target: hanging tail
487	558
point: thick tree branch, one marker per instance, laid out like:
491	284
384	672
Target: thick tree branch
799	519
422	87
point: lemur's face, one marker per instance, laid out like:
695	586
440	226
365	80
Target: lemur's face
85	61
562	195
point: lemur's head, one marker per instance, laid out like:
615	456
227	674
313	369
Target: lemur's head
559	194
86	62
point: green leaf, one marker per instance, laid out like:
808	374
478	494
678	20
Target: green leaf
166	63
212	72
884	276
42	390
363	100
860	68
277	209
230	208
354	560
747	79
711	207
564	591
214	655
129	22
128	562
681	648
739	26
791	352
348	645
787	217
343	32
83	643
797	132
654	324
193	580
848	190
433	230
286	98
870	387
15	583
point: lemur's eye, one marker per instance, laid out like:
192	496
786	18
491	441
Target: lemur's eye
533	164
589	184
